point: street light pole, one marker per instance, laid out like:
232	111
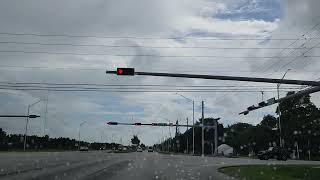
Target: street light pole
279	111
26	129
202	128
79	132
187	136
193	131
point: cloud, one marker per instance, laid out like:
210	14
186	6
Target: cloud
194	19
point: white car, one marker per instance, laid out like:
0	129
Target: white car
150	149
139	149
84	148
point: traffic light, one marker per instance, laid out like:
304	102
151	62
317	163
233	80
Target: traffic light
271	101
262	104
251	108
125	71
137	124
112	123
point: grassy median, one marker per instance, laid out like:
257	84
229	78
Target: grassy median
270	172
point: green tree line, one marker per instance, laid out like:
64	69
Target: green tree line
14	142
300	125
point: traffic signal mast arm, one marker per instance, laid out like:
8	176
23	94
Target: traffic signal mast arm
156	124
274	100
17	116
131	72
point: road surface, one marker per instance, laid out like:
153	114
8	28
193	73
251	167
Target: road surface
103	165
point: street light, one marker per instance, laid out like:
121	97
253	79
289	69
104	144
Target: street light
26	130
79	132
190	100
278	86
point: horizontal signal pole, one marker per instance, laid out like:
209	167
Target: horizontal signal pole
228	78
13	116
157	124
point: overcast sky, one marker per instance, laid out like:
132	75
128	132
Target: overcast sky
198	23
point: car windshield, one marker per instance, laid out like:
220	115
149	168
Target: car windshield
160	89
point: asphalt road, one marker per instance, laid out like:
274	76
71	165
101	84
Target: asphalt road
103	165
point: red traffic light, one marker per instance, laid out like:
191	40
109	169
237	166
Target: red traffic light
119	71
112	123
137	124
125	71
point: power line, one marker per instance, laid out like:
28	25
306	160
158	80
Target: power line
303	37
291	44
145	38
142	46
144	55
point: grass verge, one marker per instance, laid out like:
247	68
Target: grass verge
270	172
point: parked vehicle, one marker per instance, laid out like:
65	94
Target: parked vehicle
274	153
84	148
150	149
139	149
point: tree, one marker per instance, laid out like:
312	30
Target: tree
300	124
3	139
269	121
135	140
143	146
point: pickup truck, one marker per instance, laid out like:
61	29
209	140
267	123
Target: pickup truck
274	152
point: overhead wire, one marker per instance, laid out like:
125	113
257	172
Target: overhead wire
145	38
278	54
142	55
143	46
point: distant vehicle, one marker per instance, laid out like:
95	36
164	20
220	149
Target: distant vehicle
139	149
274	152
150	149
84	148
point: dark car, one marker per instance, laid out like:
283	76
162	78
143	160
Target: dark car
274	153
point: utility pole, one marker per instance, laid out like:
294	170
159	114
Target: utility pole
193	127
215	137
187	137
202	129
26	130
177	123
212	149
